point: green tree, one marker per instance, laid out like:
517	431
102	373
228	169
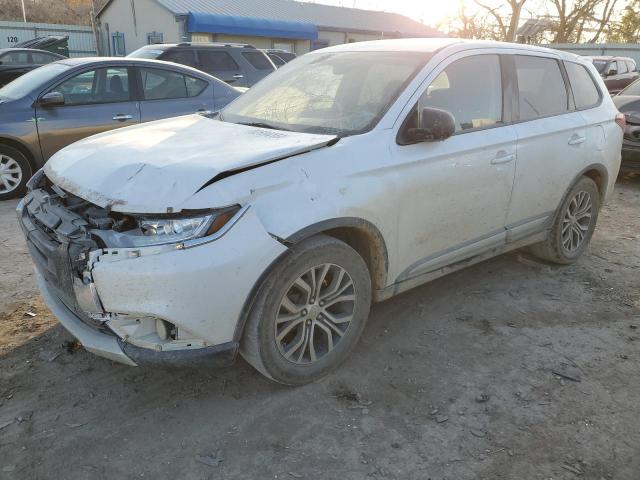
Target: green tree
627	30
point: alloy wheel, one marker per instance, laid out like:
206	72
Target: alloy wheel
10	174
315	314
576	221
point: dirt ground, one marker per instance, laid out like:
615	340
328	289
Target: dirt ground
511	369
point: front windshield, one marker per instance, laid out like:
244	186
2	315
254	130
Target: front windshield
341	93
28	82
146	52
600	65
633	89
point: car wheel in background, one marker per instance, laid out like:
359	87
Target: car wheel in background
309	312
573	226
15	171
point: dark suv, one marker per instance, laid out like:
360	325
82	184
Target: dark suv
241	65
617	72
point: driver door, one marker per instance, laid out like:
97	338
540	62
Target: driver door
456	192
96	101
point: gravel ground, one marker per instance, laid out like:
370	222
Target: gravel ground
511	369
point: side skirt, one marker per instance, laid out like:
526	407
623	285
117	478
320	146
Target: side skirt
404	285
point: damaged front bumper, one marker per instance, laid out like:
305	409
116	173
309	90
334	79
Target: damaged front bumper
120	302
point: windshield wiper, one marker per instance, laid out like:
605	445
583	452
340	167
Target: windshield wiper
263	125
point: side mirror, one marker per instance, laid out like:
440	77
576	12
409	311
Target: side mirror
434	125
613	71
51	99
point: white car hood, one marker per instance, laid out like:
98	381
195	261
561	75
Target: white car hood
157	166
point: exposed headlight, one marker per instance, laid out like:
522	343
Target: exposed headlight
160	231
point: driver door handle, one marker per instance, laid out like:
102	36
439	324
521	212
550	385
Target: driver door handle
576	139
121	117
503	157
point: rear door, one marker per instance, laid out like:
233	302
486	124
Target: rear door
96	100
220	64
170	93
552	142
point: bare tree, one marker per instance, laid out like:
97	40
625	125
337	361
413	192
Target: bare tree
507	24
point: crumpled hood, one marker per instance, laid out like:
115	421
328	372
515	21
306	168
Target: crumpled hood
155	167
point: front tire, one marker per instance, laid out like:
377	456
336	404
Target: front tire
309	312
573	225
15	172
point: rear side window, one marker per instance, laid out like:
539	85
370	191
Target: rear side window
470	89
622	67
258	60
632	66
183	57
585	92
212	61
15	58
542	91
164	84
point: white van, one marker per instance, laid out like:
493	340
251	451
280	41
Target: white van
347	176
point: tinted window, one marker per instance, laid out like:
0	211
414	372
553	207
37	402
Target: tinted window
541	86
471	90
15	58
184	57
585	92
276	60
600	65
104	85
258	60
164	84
212	61
42	58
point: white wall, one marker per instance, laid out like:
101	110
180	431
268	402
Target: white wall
150	17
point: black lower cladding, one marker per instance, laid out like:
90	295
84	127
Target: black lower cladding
630	157
223	355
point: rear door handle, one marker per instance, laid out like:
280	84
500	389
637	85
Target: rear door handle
238	76
202	111
121	117
576	139
503	157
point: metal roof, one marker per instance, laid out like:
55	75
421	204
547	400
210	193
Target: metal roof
339	18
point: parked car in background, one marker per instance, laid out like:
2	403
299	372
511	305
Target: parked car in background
279	57
628	102
240	65
617	72
355	173
15	62
60	103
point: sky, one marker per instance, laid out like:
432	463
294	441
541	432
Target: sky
430	12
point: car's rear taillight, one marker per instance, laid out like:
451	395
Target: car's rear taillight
621	121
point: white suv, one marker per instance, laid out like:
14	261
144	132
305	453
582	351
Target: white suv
351	174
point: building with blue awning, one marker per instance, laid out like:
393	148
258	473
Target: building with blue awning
126	25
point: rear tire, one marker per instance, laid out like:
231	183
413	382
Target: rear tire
573	225
309	312
15	172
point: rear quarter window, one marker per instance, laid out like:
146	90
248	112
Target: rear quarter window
258	60
541	87
585	92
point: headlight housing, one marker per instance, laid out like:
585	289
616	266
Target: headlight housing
168	230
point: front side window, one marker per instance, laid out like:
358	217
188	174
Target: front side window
471	90
213	61
585	92
622	67
32	81
276	60
613	68
542	91
601	65
103	85
339	92
164	84
258	60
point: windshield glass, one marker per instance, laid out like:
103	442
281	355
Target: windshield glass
600	65
146	52
340	93
633	89
28	82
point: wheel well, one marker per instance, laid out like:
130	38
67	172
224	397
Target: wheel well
369	246
600	180
22	149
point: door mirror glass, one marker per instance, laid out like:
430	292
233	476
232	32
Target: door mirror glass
434	125
613	71
51	99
